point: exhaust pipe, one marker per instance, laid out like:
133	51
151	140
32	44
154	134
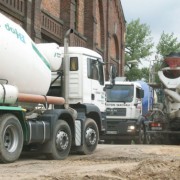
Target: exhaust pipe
66	67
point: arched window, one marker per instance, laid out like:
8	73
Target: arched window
114	48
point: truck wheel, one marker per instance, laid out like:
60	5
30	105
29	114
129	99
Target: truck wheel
61	141
141	138
11	138
148	139
91	137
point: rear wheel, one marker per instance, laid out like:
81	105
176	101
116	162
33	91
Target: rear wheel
91	136
11	138
61	142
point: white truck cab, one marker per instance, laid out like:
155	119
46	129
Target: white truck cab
124	111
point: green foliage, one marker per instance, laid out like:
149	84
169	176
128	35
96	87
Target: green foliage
154	78
167	44
145	74
137	74
138	46
157	67
138	41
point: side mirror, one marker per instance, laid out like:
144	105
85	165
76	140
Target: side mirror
112	73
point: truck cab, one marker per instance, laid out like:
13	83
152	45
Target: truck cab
124	112
85	82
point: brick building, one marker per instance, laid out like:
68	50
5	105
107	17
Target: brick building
98	24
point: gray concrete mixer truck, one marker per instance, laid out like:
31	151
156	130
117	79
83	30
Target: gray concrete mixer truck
47	105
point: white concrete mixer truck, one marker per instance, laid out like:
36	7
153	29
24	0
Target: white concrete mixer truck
164	120
126	105
45	106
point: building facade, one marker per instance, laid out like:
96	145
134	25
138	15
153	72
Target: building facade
98	24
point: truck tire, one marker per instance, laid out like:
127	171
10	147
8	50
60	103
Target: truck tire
11	138
61	141
91	137
149	138
141	138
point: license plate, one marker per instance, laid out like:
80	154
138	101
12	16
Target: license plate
156	128
111	132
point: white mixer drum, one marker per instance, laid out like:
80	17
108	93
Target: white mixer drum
53	54
21	63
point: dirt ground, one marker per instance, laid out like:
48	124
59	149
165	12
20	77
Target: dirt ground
109	162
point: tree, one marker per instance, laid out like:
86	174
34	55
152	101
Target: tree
138	41
138	46
137	74
167	44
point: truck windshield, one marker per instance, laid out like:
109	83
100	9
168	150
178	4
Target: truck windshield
120	93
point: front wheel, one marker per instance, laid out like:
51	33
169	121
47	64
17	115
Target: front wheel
148	139
91	137
61	141
11	138
141	136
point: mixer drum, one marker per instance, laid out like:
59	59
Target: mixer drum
21	62
173	62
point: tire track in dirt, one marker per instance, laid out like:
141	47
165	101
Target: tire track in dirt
109	162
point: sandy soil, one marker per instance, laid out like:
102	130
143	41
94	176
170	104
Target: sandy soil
109	162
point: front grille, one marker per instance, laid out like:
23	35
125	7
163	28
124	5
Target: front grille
116	112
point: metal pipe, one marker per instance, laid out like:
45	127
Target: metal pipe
32	98
66	67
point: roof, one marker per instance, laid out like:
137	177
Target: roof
81	50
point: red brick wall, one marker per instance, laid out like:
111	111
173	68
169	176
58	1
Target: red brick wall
98	26
52	6
81	16
12	18
116	28
113	52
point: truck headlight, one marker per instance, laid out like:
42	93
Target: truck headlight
131	128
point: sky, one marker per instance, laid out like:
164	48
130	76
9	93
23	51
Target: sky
159	15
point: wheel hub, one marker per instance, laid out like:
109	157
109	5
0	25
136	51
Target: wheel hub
90	136
62	140
10	138
142	134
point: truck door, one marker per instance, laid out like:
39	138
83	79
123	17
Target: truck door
96	76
139	97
